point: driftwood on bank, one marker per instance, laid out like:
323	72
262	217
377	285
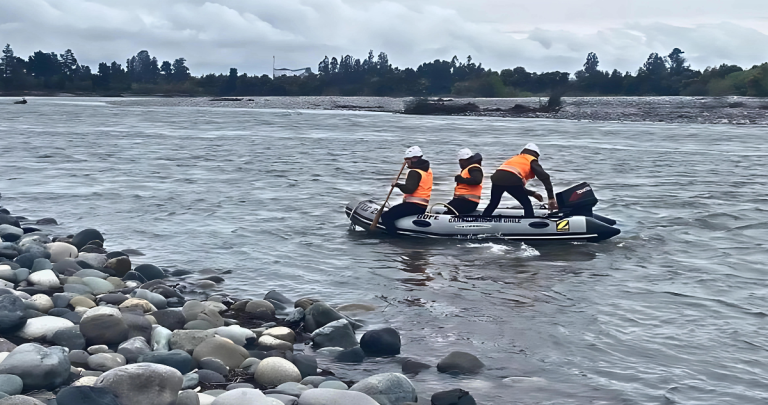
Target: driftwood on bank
227	99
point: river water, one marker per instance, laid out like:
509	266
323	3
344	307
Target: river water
671	311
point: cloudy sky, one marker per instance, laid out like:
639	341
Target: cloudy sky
215	35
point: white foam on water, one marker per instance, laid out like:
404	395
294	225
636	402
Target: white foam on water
529	251
500	249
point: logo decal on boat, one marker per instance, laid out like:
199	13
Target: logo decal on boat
563	226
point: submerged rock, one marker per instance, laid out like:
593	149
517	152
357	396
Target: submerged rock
453	397
387	389
460	363
335	334
381	342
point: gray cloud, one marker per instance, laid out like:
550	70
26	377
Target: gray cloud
555	35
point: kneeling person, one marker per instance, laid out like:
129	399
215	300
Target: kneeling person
512	176
469	183
417	190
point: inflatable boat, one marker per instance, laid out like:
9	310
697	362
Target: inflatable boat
574	221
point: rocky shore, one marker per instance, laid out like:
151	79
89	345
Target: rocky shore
81	324
670	110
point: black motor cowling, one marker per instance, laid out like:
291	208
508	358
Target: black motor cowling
577	200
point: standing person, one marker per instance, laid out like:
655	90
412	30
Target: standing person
512	176
417	190
469	183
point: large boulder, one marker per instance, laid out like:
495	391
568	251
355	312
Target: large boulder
134	348
43	328
460	363
60	251
85	395
242	396
328	396
6	219
20	400
306	364
70	337
274	371
142	384
86	235
120	265
11	312
177	359
44	278
188	340
381	342
94	260
106	361
261	309
237	334
170	319
150	272
97	285
11	384
338	333
40	303
387	388
10	233
319	315
37	366
138	326
27	260
229	353
103	329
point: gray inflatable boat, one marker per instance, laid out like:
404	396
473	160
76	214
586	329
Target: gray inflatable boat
574	221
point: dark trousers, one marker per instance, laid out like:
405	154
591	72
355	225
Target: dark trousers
518	192
398	211
462	206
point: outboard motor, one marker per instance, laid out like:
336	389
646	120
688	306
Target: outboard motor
579	200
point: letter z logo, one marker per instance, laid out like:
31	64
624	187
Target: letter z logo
563	226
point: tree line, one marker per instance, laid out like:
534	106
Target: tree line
374	75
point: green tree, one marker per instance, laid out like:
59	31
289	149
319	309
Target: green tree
230	85
334	65
677	62
6	62
591	65
382	63
69	64
103	76
324	67
166	69
180	70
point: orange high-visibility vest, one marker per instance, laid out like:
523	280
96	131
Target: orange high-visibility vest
521	166
470	192
424	192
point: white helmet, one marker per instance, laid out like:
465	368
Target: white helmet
464	154
413	151
533	147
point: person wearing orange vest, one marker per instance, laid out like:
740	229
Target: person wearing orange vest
417	189
511	178
469	183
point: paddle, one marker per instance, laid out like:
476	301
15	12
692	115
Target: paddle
381	210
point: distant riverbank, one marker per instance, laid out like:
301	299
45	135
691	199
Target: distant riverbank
677	110
673	110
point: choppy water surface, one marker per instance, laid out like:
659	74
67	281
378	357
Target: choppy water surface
672	311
